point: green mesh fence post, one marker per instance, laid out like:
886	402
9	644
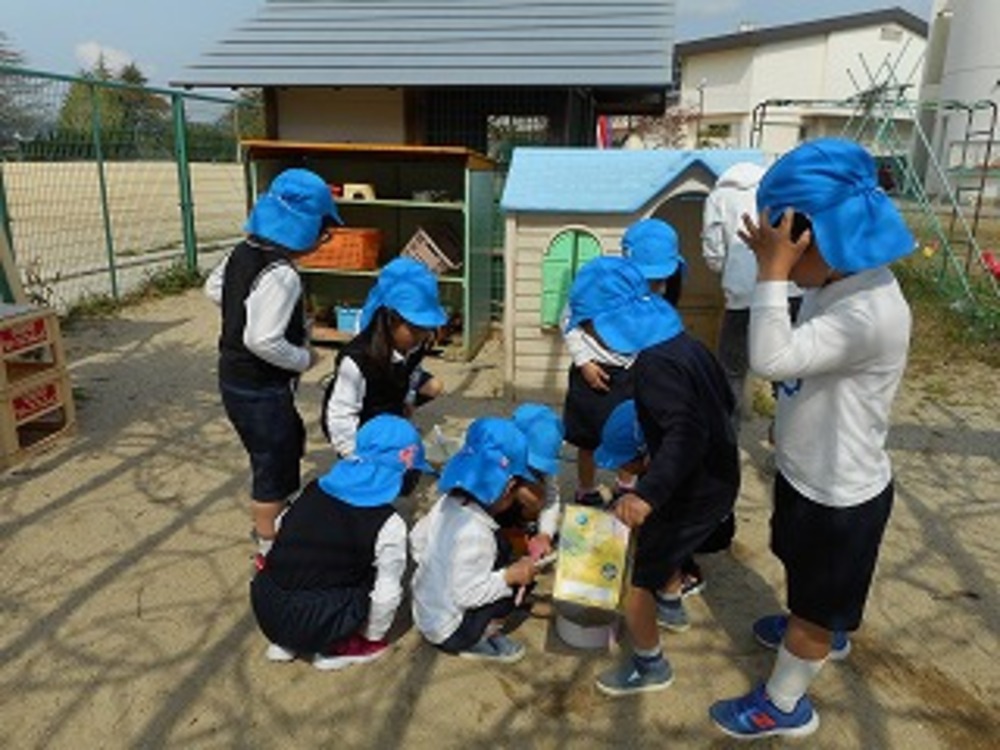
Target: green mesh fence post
95	113
184	183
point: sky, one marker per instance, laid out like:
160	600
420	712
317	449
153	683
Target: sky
164	36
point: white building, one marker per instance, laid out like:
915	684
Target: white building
771	88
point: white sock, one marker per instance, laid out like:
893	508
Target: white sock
649	654
790	679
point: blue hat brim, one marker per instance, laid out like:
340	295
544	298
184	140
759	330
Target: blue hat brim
479	475
638	325
543	463
272	220
864	232
658	271
367	484
605	458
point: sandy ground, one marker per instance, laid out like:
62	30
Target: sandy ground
125	565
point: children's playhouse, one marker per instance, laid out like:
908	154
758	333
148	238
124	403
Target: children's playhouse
564	206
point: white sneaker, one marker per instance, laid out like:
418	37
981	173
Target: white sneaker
278	653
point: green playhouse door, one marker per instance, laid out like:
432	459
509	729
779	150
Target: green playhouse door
566	254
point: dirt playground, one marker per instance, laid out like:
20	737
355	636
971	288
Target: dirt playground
125	566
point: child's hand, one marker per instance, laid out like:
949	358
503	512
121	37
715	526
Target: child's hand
776	253
539	546
632	510
313	357
520	573
595	376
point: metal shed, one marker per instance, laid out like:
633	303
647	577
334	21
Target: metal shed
575	203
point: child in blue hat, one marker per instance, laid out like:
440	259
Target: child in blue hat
826	225
539	505
601	379
263	348
683	405
330	586
464	584
379	371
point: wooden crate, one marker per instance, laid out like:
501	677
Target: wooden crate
348	249
34	412
29	342
436	246
36	400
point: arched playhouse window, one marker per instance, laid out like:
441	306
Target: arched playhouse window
566	254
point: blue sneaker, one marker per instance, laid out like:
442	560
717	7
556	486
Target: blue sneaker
753	715
770	632
497	648
671	614
635	675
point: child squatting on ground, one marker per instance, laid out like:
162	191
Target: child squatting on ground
330	586
538	508
379	371
465	580
684	405
600	379
262	347
840	367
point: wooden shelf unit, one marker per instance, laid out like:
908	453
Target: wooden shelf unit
400	177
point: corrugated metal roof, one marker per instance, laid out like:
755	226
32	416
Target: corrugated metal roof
607	181
444	43
789	32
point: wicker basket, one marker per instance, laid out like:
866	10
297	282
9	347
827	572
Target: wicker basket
349	249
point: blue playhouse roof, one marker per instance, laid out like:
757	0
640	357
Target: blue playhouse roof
591	180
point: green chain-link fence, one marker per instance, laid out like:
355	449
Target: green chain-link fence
103	183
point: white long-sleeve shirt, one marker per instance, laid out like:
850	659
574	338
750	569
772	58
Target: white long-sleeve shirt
390	564
841	366
269	307
548	518
454	547
342	413
584	348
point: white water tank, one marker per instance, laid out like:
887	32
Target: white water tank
971	70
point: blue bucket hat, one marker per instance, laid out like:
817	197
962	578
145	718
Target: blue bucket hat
652	245
834	182
495	451
612	293
294	210
387	447
544	430
411	289
622	440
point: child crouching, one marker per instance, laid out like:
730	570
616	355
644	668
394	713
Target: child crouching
463	587
331	584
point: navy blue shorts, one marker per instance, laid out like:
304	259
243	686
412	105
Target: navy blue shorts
273	435
665	543
307	621
829	554
585	410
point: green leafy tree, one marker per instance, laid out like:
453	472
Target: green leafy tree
145	123
245	117
17	96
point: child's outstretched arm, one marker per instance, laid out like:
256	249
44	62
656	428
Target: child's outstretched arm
390	564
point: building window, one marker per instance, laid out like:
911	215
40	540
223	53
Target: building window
890	33
566	254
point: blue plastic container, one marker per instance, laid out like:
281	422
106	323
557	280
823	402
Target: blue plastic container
347	318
